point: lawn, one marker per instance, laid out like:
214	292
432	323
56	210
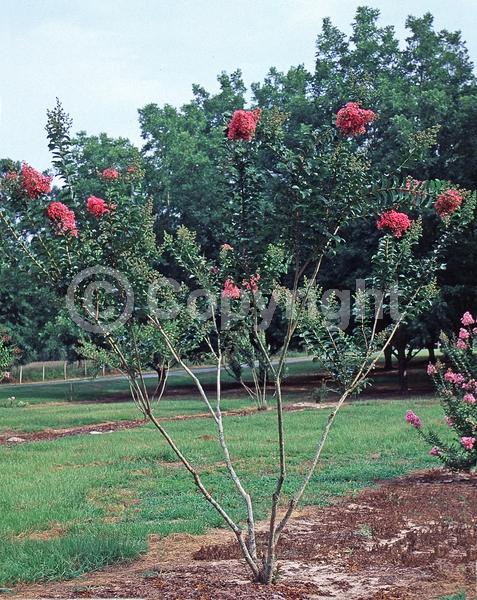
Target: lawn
75	504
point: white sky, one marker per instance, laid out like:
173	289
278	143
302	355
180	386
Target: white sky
106	58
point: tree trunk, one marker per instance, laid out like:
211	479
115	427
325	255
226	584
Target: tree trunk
388	358
432	353
402	367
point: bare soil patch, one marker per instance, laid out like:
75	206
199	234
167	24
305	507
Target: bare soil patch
409	538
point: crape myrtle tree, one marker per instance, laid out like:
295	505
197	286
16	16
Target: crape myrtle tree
456	382
101	252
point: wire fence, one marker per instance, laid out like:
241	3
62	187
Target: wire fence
55	370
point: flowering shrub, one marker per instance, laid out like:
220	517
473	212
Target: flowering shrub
351	119
448	202
33	182
457	387
395	222
111	174
63	219
97	207
230	290
243	124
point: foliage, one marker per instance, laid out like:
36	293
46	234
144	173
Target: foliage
457	387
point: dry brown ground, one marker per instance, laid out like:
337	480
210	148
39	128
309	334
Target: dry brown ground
410	538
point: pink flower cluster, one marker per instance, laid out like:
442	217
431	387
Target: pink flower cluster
243	124
230	290
97	207
413	419
351	119
448	202
455	378
110	174
34	183
467	319
63	218
435	451
396	222
252	284
11	176
226	247
431	369
468	442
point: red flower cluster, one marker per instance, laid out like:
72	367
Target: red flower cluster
110	174
243	124
35	183
396	222
97	207
448	202
63	218
351	119
230	290
252	284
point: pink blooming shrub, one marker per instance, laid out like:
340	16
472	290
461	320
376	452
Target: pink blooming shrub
395	222
457	388
467	442
469	399
97	207
351	119
34	183
413	419
448	202
252	284
243	124
63	218
431	369
230	290
110	174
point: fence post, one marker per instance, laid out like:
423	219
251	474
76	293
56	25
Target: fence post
104	370
43	373
64	369
85	369
21	373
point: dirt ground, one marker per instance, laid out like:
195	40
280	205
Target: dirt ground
409	538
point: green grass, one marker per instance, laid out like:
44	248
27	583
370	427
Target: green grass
105	494
103	389
37	417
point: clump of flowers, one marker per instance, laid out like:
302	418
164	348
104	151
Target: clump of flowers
63	218
413	419
34	183
226	247
11	176
110	174
243	124
252	284
230	291
97	207
395	222
457	387
448	202
351	119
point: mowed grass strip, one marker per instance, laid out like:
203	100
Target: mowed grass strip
36	417
78	503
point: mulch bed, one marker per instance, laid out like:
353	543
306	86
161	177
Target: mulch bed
409	538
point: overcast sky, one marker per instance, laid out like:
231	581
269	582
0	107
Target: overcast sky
106	58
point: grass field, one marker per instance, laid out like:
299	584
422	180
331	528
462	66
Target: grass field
74	504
